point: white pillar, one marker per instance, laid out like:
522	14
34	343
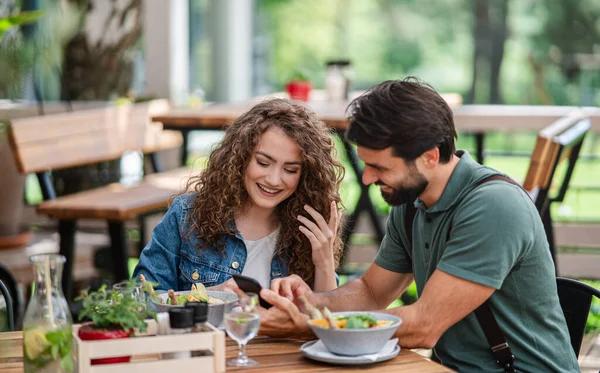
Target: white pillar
231	41
166	49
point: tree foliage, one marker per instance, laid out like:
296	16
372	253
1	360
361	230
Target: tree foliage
500	51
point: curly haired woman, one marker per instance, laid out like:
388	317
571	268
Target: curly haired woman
258	208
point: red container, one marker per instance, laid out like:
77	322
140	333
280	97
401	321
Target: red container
89	333
298	90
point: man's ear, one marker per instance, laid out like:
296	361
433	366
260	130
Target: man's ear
431	157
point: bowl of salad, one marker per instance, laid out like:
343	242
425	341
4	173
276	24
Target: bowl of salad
218	301
354	333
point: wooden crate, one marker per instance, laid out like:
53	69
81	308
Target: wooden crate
145	349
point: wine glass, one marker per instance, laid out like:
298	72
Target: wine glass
241	324
132	290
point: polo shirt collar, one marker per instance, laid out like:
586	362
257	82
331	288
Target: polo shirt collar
459	181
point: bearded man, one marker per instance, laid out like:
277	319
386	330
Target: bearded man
470	237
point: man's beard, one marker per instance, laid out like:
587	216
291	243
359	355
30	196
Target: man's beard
400	195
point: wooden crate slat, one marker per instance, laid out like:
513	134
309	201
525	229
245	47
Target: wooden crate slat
145	349
195	364
147	345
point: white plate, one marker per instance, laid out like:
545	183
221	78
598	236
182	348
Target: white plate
346	360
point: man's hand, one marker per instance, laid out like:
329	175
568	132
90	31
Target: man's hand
290	287
284	319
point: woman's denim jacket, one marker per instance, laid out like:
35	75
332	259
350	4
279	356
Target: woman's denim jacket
173	260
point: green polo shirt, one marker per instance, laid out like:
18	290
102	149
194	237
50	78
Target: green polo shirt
496	239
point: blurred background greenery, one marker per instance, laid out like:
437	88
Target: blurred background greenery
490	51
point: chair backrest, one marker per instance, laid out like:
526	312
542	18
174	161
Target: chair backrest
70	139
8	290
575	300
559	141
140	131
83	137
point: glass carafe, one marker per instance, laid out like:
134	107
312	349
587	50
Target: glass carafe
47	336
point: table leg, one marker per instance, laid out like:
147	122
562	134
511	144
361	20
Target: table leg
479	146
364	202
184	147
155	162
46	184
66	233
142	242
118	247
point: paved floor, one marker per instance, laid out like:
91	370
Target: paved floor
589	359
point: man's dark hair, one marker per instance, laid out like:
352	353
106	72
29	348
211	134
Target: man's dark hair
408	115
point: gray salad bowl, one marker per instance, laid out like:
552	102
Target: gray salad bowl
355	342
215	311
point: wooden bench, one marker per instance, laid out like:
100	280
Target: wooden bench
45	143
559	142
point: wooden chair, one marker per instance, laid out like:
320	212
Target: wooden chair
560	141
8	290
45	143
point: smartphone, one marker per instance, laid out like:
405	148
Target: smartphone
250	285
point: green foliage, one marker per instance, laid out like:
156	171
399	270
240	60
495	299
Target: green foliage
3	320
593	321
40	52
384	39
300	75
114	309
389	39
22	18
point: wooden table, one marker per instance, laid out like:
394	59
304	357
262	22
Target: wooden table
274	355
333	113
217	116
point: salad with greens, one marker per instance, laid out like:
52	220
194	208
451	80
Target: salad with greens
325	318
356	321
198	293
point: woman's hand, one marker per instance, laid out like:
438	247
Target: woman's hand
322	236
229	286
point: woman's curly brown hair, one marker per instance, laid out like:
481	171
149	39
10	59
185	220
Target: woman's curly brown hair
221	191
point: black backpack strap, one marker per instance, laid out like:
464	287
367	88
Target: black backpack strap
499	347
503	178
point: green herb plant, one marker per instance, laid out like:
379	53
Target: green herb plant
300	75
111	309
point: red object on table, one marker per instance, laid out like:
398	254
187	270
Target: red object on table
298	90
88	333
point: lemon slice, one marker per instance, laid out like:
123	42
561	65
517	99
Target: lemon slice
34	343
199	292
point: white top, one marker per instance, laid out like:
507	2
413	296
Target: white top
259	257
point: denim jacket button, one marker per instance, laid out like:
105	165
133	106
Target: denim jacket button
275	274
195	275
235	265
